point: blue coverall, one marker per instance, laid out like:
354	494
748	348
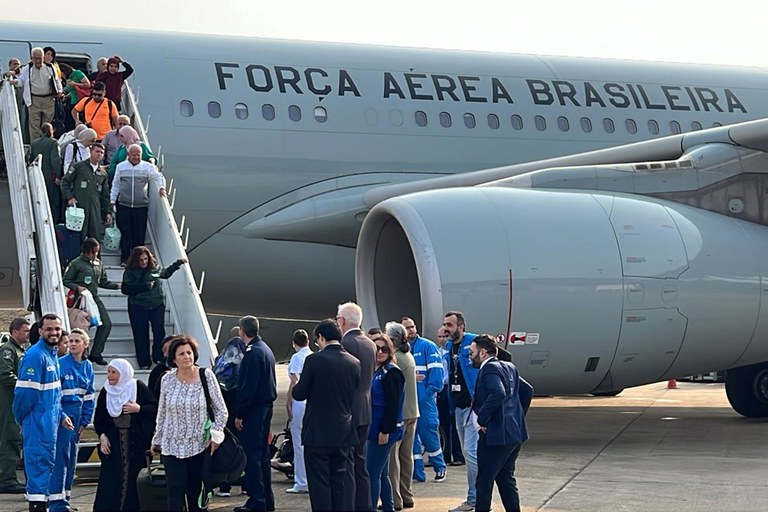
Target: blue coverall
37	408
429	363
77	400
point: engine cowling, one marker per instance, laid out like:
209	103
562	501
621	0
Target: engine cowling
610	290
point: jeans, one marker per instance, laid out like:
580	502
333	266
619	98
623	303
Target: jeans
141	319
378	469
468	435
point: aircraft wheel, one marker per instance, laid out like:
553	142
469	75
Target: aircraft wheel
608	393
747	390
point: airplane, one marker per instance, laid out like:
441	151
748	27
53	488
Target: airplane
602	218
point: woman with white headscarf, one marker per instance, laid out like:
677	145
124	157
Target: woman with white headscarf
124	421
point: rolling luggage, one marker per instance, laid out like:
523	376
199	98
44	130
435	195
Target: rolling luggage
68	242
151	486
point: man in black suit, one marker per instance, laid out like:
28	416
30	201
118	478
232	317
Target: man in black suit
500	402
349	317
328	383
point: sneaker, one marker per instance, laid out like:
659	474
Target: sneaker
440	476
297	490
223	494
464	507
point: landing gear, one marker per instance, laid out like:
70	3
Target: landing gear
747	390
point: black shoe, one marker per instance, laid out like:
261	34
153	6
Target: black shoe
407	505
456	463
243	509
13	489
98	360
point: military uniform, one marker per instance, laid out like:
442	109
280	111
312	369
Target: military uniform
51	167
92	275
91	190
10	433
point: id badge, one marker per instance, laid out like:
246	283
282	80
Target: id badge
83	184
456	388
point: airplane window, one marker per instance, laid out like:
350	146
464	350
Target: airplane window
241	110
563	124
517	122
445	119
653	127
186	108
716	124
214	109
674	126
631	125
321	115
469	120
493	121
586	124
396	117
608	125
294	113
421	118
540	123
696	125
268	112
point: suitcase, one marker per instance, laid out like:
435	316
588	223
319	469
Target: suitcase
151	487
68	243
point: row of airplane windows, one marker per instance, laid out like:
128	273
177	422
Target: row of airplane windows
421	119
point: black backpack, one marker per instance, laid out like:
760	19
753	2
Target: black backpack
81	114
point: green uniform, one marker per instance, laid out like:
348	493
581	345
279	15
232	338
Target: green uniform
91	190
92	275
10	432
51	168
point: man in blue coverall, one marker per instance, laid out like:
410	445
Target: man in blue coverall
37	408
429	381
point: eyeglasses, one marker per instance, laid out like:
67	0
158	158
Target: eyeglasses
379	348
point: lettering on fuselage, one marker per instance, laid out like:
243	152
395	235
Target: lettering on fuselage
480	89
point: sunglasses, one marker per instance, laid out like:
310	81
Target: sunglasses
379	348
97	95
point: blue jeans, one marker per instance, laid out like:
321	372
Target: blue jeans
378	469
468	435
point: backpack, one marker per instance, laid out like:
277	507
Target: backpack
81	114
75	154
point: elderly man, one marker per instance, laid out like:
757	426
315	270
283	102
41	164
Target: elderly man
349	316
129	192
111	140
40	88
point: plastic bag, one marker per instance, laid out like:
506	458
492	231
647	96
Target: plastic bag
91	307
227	367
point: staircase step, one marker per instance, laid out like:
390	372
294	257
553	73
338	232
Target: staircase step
123	330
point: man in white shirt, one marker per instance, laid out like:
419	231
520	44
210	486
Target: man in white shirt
40	88
296	411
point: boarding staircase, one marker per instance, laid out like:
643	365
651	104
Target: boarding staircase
41	280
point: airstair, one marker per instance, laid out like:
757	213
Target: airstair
41	281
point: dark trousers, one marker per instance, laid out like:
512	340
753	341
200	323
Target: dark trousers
141	319
132	223
102	333
258	477
184	480
448	434
362	479
10	447
230	400
496	464
330	478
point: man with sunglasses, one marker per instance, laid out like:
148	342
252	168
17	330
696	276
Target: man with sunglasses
96	111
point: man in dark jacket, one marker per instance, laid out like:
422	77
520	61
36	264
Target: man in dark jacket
256	393
47	146
500	402
350	317
328	383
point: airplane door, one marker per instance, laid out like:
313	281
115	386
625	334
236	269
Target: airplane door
653	257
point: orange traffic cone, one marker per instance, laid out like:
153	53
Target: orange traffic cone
672	384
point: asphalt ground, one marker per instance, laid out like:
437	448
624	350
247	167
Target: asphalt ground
649	449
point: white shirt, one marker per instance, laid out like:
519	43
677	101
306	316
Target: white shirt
296	365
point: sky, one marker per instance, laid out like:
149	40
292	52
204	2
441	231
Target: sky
697	31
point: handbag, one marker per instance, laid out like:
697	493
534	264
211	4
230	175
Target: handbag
78	317
112	237
228	461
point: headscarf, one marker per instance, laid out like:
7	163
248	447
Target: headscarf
113	60
122	392
129	133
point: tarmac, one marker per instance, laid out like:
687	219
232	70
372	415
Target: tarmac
648	449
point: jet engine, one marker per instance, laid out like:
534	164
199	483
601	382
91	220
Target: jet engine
590	291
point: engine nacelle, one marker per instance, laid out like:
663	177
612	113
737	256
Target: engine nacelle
611	290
